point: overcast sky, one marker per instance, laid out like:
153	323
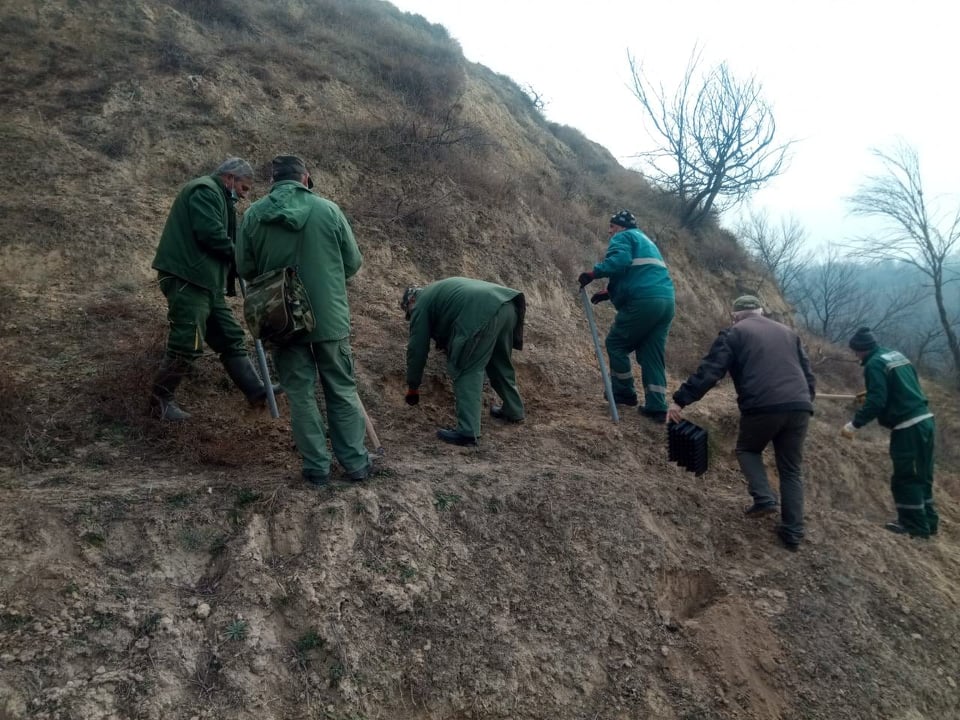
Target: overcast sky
843	76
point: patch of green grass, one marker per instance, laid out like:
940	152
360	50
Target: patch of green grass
70	588
13	620
407	573
179	500
494	505
148	624
310	640
195	539
94	539
237	630
246	496
444	501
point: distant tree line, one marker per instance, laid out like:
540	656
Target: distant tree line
900	281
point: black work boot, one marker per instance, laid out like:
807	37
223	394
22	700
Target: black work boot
172	371
455	438
245	377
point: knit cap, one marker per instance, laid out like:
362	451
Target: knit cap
863	340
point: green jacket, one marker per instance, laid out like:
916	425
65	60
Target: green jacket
453	313
328	254
197	243
893	390
635	268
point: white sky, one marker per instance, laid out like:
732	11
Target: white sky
843	76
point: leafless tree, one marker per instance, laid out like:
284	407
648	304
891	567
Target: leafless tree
913	233
833	301
715	137
779	249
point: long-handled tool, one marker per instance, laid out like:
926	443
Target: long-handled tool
262	364
371	433
607	388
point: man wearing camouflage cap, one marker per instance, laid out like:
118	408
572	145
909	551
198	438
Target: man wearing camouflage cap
293	227
641	290
775	392
193	262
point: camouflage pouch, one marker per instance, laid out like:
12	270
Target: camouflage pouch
277	308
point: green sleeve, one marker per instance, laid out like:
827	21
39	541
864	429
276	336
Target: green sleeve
618	258
875	377
418	346
352	259
208	222
246	265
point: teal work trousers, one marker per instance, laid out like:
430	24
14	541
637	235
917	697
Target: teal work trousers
642	328
491	354
911	450
299	367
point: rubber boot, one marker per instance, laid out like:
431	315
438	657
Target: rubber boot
172	371
245	377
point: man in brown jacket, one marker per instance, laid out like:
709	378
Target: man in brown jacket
775	392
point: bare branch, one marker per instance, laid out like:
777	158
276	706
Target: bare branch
911	232
715	142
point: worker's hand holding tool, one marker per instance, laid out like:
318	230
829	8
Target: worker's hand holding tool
412	397
585	279
848	431
599	297
861	397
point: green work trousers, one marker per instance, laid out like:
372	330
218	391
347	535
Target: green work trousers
298	367
491	354
911	450
641	327
197	316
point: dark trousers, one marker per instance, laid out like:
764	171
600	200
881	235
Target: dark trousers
787	432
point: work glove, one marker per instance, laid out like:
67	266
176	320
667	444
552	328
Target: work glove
848	431
585	279
599	297
861	397
412	396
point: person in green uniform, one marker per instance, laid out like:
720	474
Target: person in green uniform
193	261
641	290
895	400
477	324
293	227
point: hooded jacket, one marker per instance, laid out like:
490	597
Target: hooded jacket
293	227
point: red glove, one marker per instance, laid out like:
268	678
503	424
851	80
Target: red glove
599	297
585	278
412	396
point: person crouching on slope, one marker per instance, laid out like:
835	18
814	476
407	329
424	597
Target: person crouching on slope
478	325
641	290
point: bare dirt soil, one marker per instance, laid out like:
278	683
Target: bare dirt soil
564	569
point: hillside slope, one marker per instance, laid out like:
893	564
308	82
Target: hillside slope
562	569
